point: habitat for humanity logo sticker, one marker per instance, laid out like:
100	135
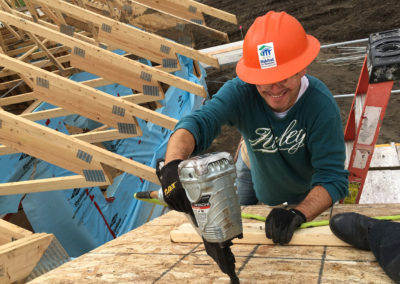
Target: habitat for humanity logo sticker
266	55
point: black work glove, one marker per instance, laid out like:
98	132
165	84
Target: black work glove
173	192
281	223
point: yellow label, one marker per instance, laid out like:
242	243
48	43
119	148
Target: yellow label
353	192
170	188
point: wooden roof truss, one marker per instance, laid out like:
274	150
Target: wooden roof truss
40	49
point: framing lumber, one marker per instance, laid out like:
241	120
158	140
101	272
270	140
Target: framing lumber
86	101
90	137
10	232
56	16
32	11
49	184
130	39
169	262
17	99
41	64
105	63
65	151
38	141
254	233
37	54
48	25
154	20
189	9
18	258
47	52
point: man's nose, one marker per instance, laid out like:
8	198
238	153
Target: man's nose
276	87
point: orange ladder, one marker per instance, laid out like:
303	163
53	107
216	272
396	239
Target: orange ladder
380	69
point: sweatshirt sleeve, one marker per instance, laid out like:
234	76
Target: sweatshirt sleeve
205	123
327	147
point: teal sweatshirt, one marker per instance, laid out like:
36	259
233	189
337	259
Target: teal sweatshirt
288	156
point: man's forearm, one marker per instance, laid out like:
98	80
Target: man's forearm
316	202
180	145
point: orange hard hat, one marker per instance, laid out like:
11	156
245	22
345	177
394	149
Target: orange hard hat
275	48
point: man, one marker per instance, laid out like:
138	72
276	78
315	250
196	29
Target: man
289	121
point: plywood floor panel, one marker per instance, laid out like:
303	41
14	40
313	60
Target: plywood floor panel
146	255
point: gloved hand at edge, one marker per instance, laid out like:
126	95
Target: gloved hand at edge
281	224
173	192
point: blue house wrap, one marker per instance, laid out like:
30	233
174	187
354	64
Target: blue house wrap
84	218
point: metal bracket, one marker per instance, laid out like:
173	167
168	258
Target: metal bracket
118	111
185	40
192	9
103	46
127	128
79	51
151	90
169	63
165	49
67	29
180	27
145	76
42	82
94	175
197	21
106	28
84	156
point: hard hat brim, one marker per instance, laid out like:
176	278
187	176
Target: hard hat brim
281	72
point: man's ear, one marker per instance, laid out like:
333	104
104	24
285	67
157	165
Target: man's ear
303	72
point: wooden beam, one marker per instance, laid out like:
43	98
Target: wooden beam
49	184
65	151
37	54
56	16
10	232
41	64
93	136
48	25
38	42
228	17
101	136
140	41
254	233
32	10
90	137
17	99
38	141
19	258
180	9
47	52
107	109
89	102
117	65
154	20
